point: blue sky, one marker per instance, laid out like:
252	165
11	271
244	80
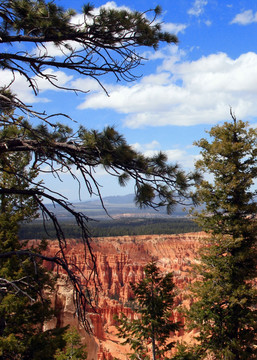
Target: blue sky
184	90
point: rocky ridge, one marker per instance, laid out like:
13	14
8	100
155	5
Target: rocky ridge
121	260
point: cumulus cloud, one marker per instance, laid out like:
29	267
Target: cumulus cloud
175	155
88	84
112	5
78	19
153	145
174	28
198	7
170	53
58	78
22	88
186	93
51	50
245	18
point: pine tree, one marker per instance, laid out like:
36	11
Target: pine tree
225	308
154	298
74	349
23	305
103	44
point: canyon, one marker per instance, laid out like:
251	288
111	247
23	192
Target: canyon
120	261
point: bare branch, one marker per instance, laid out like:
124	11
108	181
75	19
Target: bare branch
81	296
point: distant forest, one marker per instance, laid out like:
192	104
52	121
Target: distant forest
129	226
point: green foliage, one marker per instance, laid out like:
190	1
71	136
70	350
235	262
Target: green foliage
23	305
112	37
185	352
39	18
225	311
104	43
16	173
74	349
132	227
154	296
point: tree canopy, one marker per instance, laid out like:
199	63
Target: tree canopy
24	306
96	45
224	312
74	349
154	298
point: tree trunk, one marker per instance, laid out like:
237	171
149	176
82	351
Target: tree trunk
153	344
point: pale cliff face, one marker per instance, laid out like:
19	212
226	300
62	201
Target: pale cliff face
120	260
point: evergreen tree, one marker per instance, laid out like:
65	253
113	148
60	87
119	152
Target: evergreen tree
104	43
185	352
154	297
74	349
225	308
23	305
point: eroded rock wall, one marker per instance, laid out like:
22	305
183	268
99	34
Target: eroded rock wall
121	260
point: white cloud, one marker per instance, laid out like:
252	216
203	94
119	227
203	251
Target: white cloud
186	93
153	145
182	157
173	155
208	22
88	84
198	7
22	88
112	5
174	28
51	50
59	78
245	18
78	19
170	53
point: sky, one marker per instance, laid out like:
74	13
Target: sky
183	90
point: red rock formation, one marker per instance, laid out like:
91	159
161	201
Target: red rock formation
120	260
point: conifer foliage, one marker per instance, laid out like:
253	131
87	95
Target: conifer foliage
154	298
74	349
225	311
40	38
24	307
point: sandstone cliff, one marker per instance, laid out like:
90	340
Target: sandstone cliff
120	260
